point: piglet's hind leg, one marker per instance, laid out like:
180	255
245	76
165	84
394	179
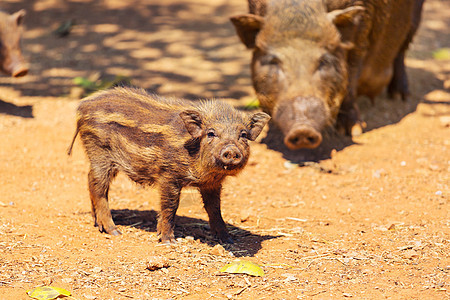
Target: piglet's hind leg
98	189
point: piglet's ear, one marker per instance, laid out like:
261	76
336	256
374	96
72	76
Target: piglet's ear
256	124
247	27
193	122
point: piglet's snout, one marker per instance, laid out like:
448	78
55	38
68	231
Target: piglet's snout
230	156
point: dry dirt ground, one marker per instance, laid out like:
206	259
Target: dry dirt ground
368	221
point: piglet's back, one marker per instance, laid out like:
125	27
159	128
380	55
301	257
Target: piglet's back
130	128
130	107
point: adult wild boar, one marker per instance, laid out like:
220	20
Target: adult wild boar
312	58
11	60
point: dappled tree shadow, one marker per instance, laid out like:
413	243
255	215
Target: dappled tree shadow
156	44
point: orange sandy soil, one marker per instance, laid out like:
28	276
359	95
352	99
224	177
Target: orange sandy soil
368	221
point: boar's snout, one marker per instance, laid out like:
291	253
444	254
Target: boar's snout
231	157
303	137
301	119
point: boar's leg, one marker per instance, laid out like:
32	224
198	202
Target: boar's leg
349	119
211	201
399	81
99	181
170	198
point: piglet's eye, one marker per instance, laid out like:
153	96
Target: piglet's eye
243	134
211	133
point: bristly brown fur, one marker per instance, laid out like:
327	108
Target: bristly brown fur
170	142
312	58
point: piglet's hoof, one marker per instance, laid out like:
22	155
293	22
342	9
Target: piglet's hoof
169	242
228	241
115	232
112	230
168	239
225	239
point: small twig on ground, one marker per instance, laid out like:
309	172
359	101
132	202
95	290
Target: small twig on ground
125	295
278	265
323	256
316	256
135	224
240	291
248	282
318	293
296	219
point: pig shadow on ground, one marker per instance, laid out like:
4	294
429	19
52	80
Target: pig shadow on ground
386	111
7	108
245	242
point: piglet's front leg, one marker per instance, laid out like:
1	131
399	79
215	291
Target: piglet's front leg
211	201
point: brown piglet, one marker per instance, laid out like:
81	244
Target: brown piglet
169	142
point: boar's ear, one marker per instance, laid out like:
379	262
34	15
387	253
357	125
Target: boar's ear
18	16
346	16
256	124
247	27
347	45
193	122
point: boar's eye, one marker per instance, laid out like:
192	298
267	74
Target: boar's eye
271	60
211	133
243	134
325	62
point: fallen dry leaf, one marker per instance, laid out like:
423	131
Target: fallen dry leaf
47	292
243	267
